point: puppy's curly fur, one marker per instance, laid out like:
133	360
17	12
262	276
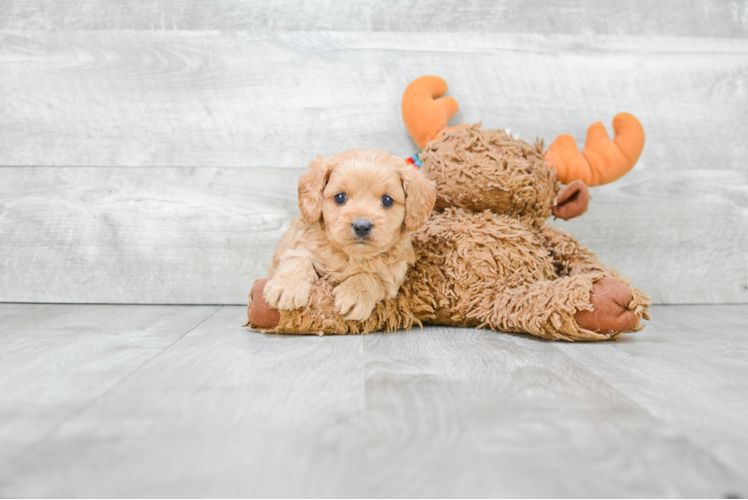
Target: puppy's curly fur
358	210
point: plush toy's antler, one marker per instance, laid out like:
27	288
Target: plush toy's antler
602	160
425	115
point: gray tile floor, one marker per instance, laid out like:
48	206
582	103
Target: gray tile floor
99	400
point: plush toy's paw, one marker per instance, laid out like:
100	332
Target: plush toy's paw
351	301
287	292
259	312
610	314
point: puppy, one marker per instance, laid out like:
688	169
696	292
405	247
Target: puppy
358	210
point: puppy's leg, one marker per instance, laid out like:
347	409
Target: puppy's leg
290	285
356	296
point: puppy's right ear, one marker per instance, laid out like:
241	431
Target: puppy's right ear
420	196
311	185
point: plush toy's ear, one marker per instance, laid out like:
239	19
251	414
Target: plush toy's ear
571	201
311	185
420	196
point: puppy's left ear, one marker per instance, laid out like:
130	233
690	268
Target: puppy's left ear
420	195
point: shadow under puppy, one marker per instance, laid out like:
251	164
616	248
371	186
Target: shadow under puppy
358	210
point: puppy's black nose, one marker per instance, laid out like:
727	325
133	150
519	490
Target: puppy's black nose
362	227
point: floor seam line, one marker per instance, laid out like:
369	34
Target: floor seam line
44	306
83	408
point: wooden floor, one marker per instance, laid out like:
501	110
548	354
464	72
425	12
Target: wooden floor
101	400
149	151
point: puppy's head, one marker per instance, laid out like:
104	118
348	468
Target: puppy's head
367	199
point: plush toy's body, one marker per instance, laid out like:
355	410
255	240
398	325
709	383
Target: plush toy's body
486	257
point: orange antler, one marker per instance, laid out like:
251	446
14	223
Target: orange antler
602	160
425	115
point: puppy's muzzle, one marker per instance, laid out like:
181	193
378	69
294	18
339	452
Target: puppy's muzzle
362	228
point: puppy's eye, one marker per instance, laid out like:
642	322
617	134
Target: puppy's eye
340	198
387	201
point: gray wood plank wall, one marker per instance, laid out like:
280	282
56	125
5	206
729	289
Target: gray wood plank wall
720	18
149	150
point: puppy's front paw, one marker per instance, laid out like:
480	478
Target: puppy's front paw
284	292
354	303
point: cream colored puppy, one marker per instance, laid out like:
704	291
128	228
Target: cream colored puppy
358	210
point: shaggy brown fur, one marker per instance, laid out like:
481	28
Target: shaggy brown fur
490	170
487	258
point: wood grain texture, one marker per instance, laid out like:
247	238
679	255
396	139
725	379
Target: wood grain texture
207	102
225	411
189	99
137	235
680	237
694	359
672	17
56	359
202	236
522	418
8	311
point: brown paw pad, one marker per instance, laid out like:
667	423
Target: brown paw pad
259	312
609	313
